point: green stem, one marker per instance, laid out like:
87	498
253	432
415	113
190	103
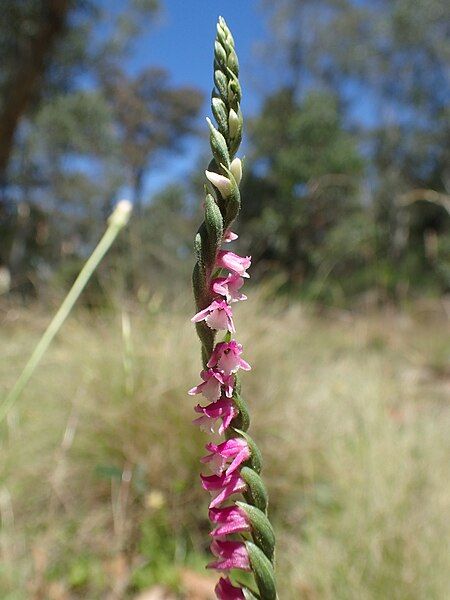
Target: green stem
117	221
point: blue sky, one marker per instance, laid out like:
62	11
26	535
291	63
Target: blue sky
181	40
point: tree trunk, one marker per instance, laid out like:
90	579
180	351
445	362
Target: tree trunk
25	79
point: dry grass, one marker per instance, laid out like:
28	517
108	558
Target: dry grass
99	491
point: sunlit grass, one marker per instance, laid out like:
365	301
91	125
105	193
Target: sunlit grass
100	488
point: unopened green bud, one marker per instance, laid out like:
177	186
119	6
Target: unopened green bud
234	88
220	114
221	82
232	62
236	169
218	145
219	54
233	123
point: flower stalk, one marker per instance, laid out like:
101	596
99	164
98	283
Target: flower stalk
242	536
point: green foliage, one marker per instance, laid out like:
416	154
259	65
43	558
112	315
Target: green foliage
79	123
301	191
150	117
351	136
385	63
80	138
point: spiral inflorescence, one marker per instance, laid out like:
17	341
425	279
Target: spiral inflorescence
242	536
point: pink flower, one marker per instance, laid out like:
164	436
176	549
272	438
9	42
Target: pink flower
212	384
231	555
234	262
223	409
225	485
226	358
229	287
225	590
229	236
235	449
218	315
230	519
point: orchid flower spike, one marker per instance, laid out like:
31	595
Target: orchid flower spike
239	502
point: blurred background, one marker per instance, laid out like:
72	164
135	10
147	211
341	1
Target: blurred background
346	213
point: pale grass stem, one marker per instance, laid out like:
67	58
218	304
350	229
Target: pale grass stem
117	221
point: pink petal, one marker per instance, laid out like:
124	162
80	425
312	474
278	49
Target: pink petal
211	386
231	555
225	590
234	262
200	316
218	320
223	409
225	485
230	519
229	287
226	357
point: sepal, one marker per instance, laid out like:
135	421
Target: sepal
222	183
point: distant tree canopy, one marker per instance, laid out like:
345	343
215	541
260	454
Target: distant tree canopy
347	174
302	184
150	117
386	65
76	127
